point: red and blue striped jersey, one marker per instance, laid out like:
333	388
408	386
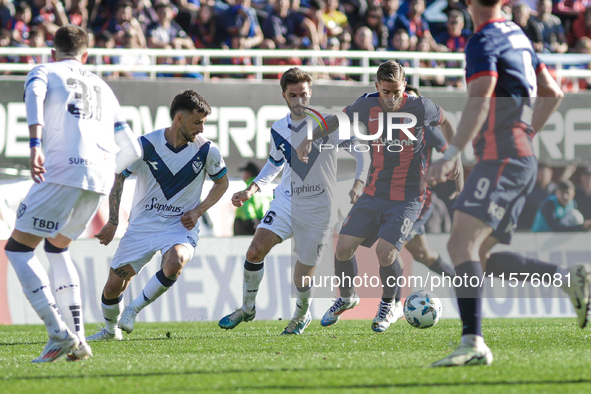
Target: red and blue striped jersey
500	48
396	174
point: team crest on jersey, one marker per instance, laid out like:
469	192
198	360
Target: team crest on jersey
21	210
407	120
192	241
197	166
346	220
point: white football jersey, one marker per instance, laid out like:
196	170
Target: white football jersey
80	115
169	180
306	188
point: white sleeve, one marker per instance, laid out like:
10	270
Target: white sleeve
215	165
35	92
362	158
129	148
269	172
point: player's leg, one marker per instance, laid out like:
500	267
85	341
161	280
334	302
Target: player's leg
112	302
173	261
468	235
309	244
345	268
422	253
66	281
37	288
135	250
302	276
36	219
263	241
390	269
359	228
395	227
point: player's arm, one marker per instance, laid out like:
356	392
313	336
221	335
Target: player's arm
35	93
190	217
362	160
549	98
105	236
474	115
129	147
449	132
267	174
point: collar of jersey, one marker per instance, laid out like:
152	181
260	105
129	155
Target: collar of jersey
172	148
294	129
488	22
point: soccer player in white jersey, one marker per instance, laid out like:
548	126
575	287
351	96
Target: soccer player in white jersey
165	212
77	116
310	218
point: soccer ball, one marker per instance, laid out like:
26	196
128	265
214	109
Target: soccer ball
422	309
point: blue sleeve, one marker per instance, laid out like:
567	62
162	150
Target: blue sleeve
357	106
434	139
433	113
481	57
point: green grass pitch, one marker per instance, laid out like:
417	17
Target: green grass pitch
531	356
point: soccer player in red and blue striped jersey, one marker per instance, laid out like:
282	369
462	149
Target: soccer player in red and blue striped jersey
393	198
503	74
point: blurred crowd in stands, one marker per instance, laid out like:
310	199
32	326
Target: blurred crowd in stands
553	26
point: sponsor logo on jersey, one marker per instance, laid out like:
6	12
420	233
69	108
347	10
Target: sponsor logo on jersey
21	210
81	161
45	225
495	211
308	190
164	210
197	166
154	164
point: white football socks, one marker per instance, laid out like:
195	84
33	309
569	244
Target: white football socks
156	286
111	313
67	291
303	303
37	289
250	286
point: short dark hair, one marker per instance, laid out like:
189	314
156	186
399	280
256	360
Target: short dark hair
189	101
70	40
104	36
489	3
22	6
412	89
565	185
391	71
294	75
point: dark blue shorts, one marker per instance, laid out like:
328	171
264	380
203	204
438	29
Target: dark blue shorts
495	193
419	226
372	218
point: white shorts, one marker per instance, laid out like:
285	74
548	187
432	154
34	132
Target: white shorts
309	242
137	248
50	209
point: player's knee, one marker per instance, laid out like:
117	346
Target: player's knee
343	253
172	269
255	254
113	290
386	256
420	255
